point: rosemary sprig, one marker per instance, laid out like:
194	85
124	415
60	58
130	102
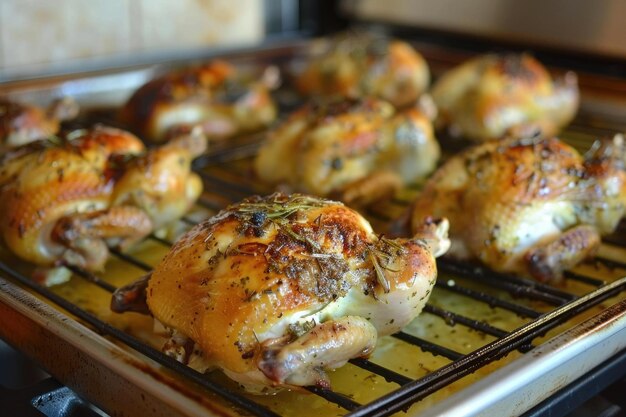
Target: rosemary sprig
75	134
286	228
380	274
282	207
278	209
401	249
53	141
381	257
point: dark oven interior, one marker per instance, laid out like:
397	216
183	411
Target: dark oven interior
477	322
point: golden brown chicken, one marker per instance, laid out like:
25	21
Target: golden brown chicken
63	201
21	124
492	96
274	290
528	206
355	66
214	97
355	150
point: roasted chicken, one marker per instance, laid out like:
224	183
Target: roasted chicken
492	96
353	150
65	200
275	290
528	206
356	66
21	123
214	97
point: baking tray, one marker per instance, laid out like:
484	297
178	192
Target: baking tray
120	380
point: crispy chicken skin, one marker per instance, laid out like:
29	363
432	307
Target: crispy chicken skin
355	66
161	182
214	97
529	206
492	96
354	150
63	201
21	123
274	290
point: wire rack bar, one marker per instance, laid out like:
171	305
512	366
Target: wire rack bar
516	286
94	279
427	346
334	397
450	285
583	278
452	318
131	259
389	375
611	263
235	191
617	240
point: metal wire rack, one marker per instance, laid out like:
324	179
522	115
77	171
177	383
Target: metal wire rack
224	182
540	307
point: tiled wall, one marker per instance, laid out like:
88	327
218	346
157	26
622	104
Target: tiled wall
37	36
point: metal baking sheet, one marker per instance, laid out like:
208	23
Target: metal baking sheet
60	342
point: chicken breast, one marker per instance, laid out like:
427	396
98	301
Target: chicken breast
214	97
528	206
274	290
492	96
351	65
65	200
354	150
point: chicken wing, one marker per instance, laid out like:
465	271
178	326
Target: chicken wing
21	124
492	96
528	206
213	97
274	290
353	150
363	65
65	200
161	182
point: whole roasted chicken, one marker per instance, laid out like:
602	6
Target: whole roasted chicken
275	290
64	201
492	96
21	123
528	206
214	97
353	150
360	65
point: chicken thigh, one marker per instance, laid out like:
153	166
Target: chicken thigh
528	206
275	290
354	150
214	97
21	124
363	65
492	96
64	201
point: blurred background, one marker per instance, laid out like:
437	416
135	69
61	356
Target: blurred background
45	37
